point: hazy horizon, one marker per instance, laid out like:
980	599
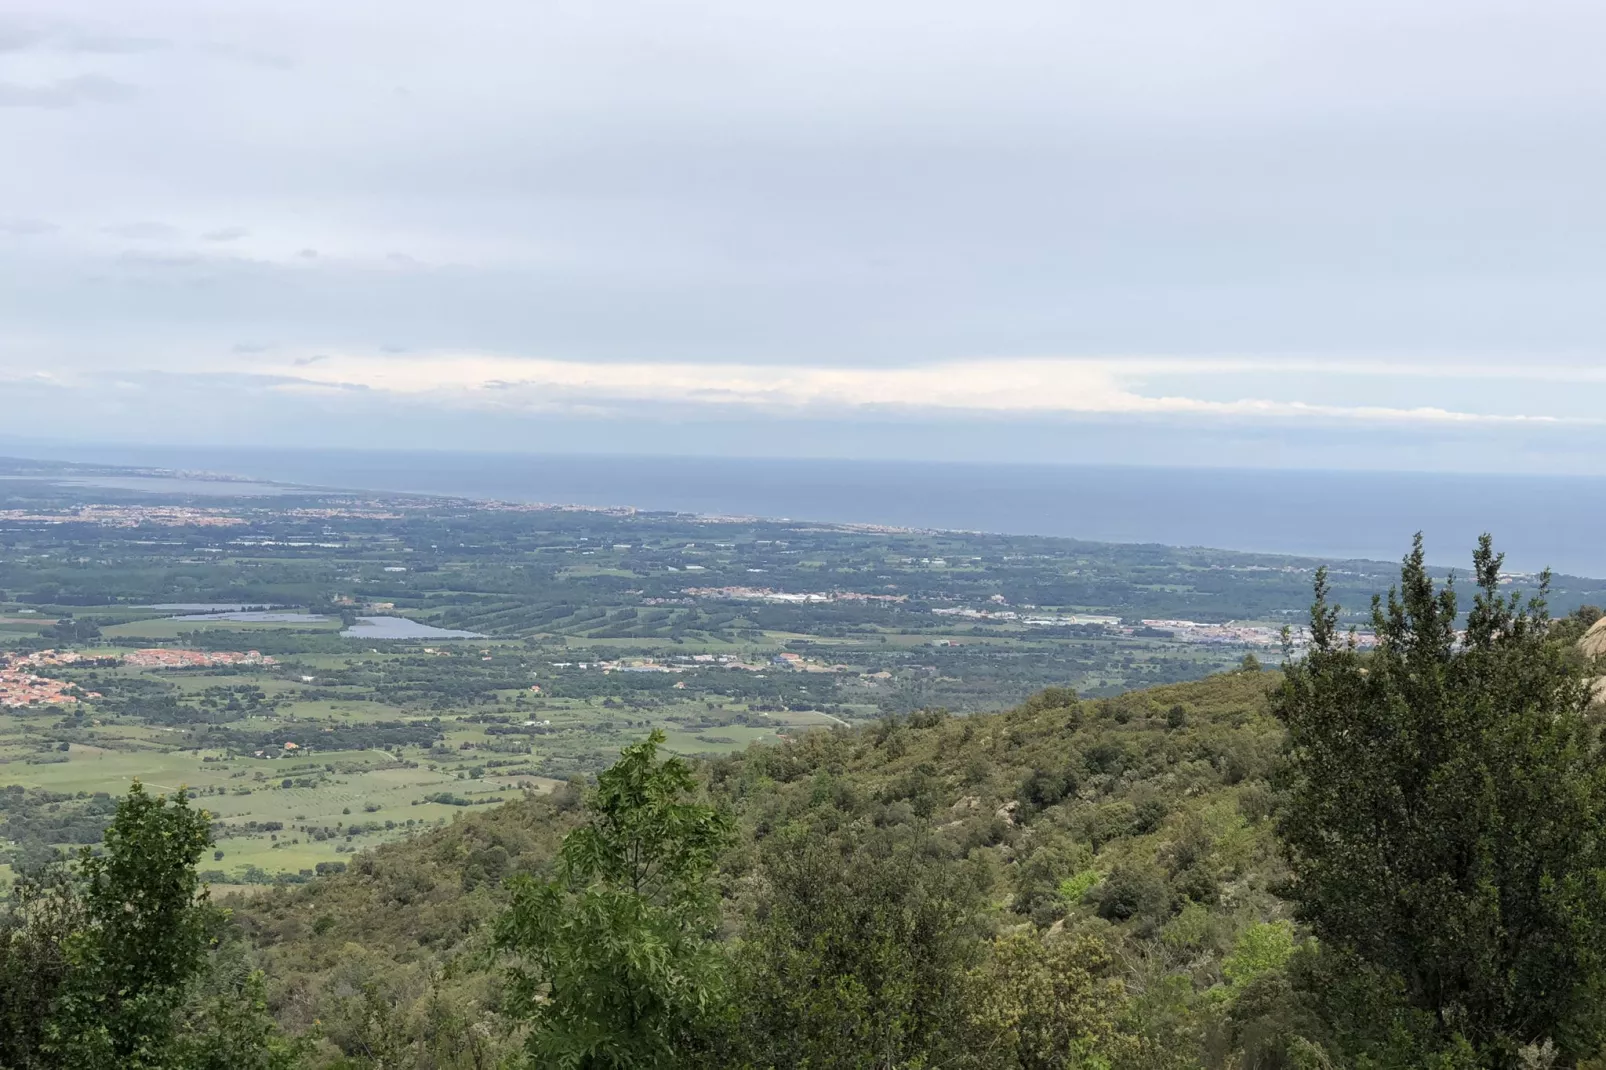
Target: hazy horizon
1545	521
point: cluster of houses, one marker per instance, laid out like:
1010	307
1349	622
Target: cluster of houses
765	594
22	687
128	516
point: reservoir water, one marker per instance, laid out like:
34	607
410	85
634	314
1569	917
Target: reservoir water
402	628
375	628
257	617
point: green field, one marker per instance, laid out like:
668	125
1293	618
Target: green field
352	798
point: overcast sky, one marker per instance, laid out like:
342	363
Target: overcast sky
1277	232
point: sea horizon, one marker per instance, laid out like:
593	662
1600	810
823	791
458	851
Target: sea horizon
1551	521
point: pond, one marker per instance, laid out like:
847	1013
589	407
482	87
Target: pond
257	616
207	607
402	628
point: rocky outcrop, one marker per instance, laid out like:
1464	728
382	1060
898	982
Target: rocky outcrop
1594	641
1593	645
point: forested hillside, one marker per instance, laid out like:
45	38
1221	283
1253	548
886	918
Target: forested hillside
1384	858
1143	819
1145	815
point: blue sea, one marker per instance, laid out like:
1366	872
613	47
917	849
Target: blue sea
1559	521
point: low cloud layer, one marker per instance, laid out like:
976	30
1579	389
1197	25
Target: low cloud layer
981	387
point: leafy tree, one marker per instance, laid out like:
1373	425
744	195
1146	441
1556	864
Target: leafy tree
45	915
1038	878
148	934
1133	891
615	969
69	630
99	966
1262	947
858	955
1048	1005
1446	810
229	1028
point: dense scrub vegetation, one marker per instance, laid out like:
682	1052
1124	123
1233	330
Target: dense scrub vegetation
1143	819
1378	859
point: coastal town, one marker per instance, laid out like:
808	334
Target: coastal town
128	516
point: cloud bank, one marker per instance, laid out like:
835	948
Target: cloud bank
1001	386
